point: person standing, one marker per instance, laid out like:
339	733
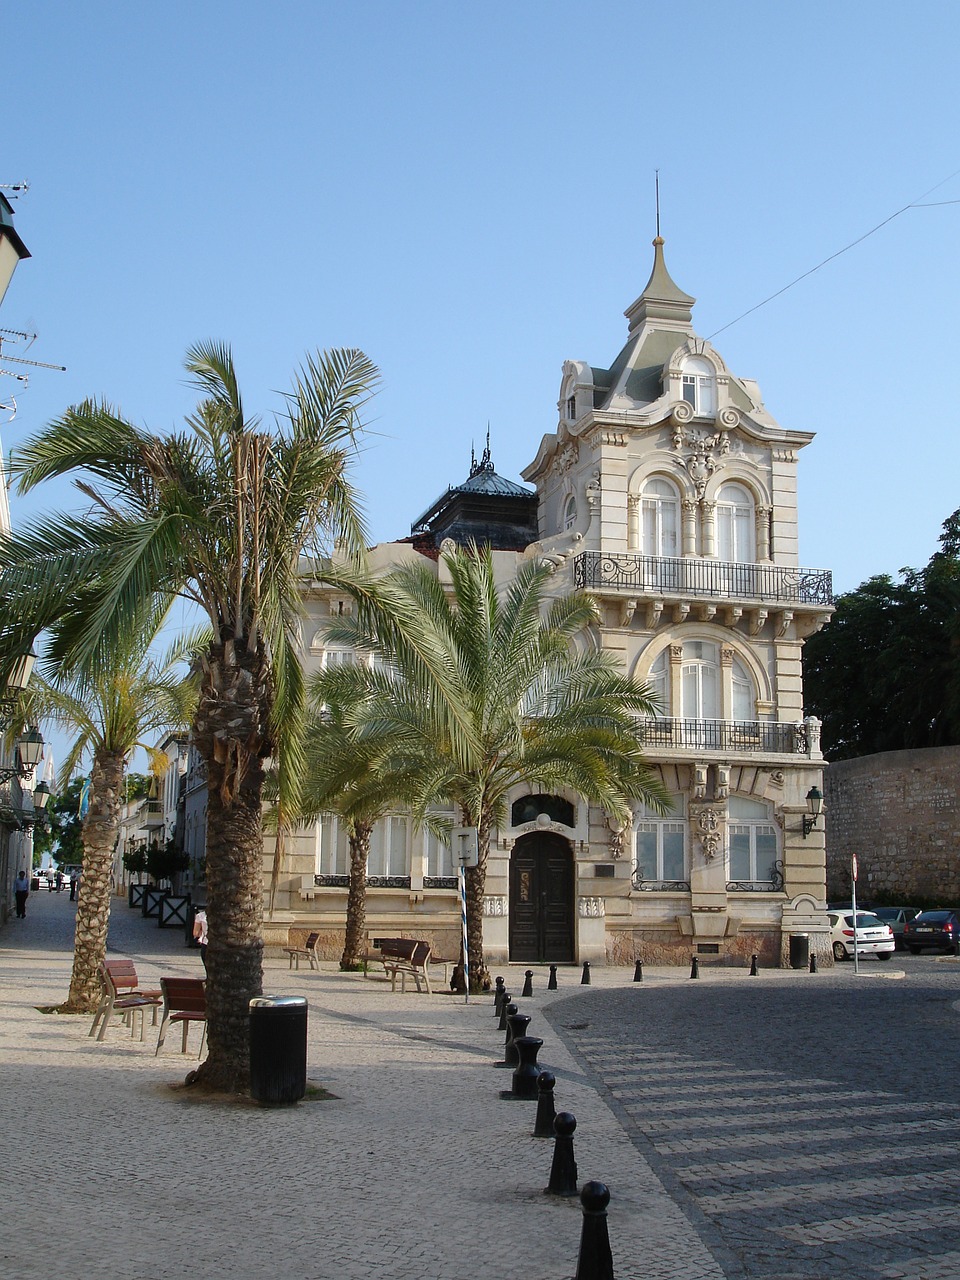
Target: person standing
21	889
200	932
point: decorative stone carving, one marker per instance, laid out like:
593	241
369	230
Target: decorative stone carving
617	833
729	417
727	656
654	610
708	825
813	727
592	490
627	610
495	905
776	777
568	457
682	413
676	653
591	908
723	781
616	438
699	781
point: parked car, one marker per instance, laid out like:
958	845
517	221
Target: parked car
896	918
940	928
874	938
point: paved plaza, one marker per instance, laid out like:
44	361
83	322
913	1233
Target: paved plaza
755	1127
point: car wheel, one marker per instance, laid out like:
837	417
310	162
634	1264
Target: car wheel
839	951
884	955
914	951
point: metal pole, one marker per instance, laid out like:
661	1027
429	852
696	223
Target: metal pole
463	926
853	902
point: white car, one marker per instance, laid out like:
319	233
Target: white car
874	938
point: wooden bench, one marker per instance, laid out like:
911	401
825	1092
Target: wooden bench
307	952
184	1001
405	957
120	992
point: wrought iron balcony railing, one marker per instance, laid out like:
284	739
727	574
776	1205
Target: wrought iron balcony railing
707	579
774	737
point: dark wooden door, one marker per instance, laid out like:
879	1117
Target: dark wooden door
541	900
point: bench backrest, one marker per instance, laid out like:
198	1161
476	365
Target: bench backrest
184	995
311	942
120	974
421	954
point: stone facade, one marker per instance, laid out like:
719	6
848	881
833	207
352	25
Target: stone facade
899	812
668	491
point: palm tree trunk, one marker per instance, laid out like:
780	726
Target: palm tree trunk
476	887
101	826
352	957
232	737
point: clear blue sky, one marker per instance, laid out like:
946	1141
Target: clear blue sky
465	190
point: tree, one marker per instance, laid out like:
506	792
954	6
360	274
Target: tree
60	832
356	778
480	689
220	514
112	710
884	673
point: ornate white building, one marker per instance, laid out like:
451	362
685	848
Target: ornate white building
668	491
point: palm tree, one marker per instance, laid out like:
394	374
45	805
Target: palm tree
220	514
112	712
481	689
359	779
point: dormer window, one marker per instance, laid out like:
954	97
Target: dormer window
570	513
572	408
699	386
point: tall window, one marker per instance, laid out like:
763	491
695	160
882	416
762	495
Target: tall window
699	386
752	841
333	849
744	704
661	845
659	682
570	512
736	525
700	681
336	657
659	518
440	859
388	848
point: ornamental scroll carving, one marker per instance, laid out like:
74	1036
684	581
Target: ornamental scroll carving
591	908
708	826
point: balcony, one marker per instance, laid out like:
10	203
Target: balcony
762	584
153	814
733	737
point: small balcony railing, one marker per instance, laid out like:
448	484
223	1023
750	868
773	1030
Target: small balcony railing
769	737
153	816
707	579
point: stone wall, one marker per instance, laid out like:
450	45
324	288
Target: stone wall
899	811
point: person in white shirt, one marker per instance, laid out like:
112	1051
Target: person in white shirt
21	889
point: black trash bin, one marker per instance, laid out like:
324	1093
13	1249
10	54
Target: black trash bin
278	1049
799	950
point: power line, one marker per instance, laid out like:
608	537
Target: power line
914	204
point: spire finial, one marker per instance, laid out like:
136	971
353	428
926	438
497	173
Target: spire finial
656	180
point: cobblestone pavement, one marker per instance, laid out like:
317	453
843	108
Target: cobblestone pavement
415	1170
808	1125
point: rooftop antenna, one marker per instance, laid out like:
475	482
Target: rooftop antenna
656	180
15	335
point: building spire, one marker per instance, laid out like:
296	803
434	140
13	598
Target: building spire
661	298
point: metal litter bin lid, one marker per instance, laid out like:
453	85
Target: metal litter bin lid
283	1004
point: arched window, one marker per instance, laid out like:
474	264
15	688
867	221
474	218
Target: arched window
659	518
529	808
744	700
753	844
570	512
699	386
661	847
339	657
659	682
736	525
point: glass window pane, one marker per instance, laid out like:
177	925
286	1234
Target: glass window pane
766	840
376	861
673	852
740	853
647	851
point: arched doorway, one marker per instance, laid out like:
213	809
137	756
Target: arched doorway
541	899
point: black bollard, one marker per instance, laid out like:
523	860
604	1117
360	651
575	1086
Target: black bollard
638	971
552	984
595	1261
527	983
546	1109
497	993
694	967
506	1009
526	1073
813	964
563	1170
754	971
585	977
500	999
517	1024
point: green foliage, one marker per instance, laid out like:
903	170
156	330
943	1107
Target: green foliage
135	861
61	834
884	674
165	861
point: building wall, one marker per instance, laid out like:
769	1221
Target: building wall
899	812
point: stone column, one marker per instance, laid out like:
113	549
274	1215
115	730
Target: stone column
708	528
689	528
763	515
